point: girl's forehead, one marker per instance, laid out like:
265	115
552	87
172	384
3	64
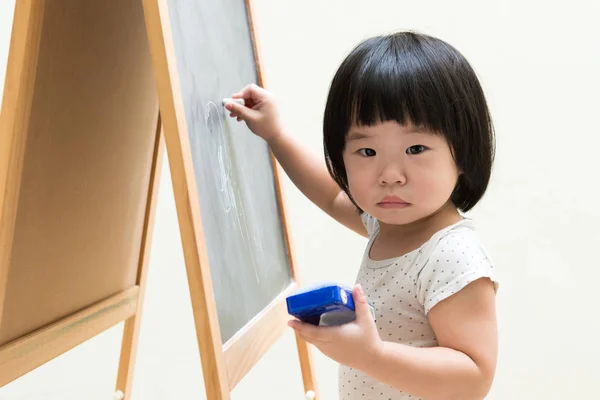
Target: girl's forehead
391	127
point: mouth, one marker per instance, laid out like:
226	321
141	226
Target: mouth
393	202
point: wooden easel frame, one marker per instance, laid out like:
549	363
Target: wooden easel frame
223	365
35	349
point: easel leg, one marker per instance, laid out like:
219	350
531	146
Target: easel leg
132	325
308	369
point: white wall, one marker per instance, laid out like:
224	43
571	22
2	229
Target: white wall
6	13
539	65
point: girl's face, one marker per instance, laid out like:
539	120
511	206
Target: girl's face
399	174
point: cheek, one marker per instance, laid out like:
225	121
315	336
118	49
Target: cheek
358	179
437	181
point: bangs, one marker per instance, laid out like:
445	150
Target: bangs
392	83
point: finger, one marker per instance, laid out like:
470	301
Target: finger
321	334
240	111
246	92
253	94
304	338
304	330
361	305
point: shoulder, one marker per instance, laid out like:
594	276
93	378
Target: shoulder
453	258
460	243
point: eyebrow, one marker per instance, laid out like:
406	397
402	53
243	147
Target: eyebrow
360	135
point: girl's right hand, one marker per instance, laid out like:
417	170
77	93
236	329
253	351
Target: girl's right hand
259	112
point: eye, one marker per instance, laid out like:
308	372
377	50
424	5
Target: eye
367	152
416	149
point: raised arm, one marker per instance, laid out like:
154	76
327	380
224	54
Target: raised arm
305	170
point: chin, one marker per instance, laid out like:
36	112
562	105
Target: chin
395	217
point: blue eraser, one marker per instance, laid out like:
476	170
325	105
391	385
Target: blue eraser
324	304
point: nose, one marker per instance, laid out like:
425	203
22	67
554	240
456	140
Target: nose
392	173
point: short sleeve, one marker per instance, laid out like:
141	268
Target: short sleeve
456	260
370	223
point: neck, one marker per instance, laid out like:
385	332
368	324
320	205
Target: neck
445	216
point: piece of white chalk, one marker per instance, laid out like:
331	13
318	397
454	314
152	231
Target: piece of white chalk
310	395
118	395
229	100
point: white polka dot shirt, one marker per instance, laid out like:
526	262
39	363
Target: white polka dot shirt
405	288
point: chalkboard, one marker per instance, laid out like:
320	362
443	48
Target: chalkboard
241	218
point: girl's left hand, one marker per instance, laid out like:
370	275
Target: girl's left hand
356	344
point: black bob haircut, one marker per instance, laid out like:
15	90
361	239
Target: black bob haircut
410	77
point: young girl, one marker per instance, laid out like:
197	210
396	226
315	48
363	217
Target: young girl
408	144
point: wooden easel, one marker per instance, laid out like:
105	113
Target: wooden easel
36	91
